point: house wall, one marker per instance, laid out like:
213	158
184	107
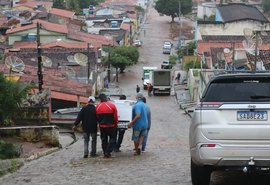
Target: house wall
46	36
206	9
233	28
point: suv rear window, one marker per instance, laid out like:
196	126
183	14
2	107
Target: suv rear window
238	90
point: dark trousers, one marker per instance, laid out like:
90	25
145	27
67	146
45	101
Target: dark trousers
119	137
108	138
86	137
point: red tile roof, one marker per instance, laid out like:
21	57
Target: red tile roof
60	43
63	13
33	4
45	25
97	41
54	80
264	56
65	44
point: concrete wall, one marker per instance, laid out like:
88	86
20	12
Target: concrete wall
233	28
197	83
33	116
48	134
206	10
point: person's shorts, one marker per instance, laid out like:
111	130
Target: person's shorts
136	134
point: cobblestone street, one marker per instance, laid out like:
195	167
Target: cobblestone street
166	160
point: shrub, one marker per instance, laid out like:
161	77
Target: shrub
8	150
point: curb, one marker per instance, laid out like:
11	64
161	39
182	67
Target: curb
41	154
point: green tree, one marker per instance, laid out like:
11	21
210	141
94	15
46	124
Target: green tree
171	7
123	56
187	50
87	3
59	4
73	5
266	6
193	64
12	94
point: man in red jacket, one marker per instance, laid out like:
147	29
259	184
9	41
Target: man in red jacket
107	118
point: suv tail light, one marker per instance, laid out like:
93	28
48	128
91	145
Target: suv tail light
208	145
209	105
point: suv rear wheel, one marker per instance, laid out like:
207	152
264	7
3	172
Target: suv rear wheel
200	175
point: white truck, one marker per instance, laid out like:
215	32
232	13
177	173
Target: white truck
124	109
146	75
69	115
161	81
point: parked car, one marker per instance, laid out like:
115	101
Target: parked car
137	43
230	126
166	65
167	46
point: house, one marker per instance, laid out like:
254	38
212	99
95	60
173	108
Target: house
62	96
60	16
233	30
5	4
31	4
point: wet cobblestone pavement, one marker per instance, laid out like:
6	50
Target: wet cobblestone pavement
166	160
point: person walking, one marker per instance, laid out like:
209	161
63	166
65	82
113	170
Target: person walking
149	86
107	119
120	132
178	77
149	125
87	116
138	89
139	123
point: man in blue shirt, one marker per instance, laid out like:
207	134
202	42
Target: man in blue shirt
139	123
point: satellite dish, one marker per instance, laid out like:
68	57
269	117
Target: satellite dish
250	42
46	61
249	47
71	59
68	72
81	59
2	38
220	56
14	64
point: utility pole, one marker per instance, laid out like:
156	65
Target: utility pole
109	66
180	26
39	72
256	50
88	62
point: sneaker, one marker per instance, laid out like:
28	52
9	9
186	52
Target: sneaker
143	151
85	156
107	155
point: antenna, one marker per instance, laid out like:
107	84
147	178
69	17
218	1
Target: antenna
46	61
81	59
71	59
14	63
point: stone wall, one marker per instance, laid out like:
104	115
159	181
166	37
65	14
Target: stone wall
48	134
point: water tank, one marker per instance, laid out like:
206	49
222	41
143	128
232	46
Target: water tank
114	24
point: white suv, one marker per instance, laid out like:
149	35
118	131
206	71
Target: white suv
230	127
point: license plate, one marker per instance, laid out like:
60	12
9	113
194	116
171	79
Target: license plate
252	115
123	124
